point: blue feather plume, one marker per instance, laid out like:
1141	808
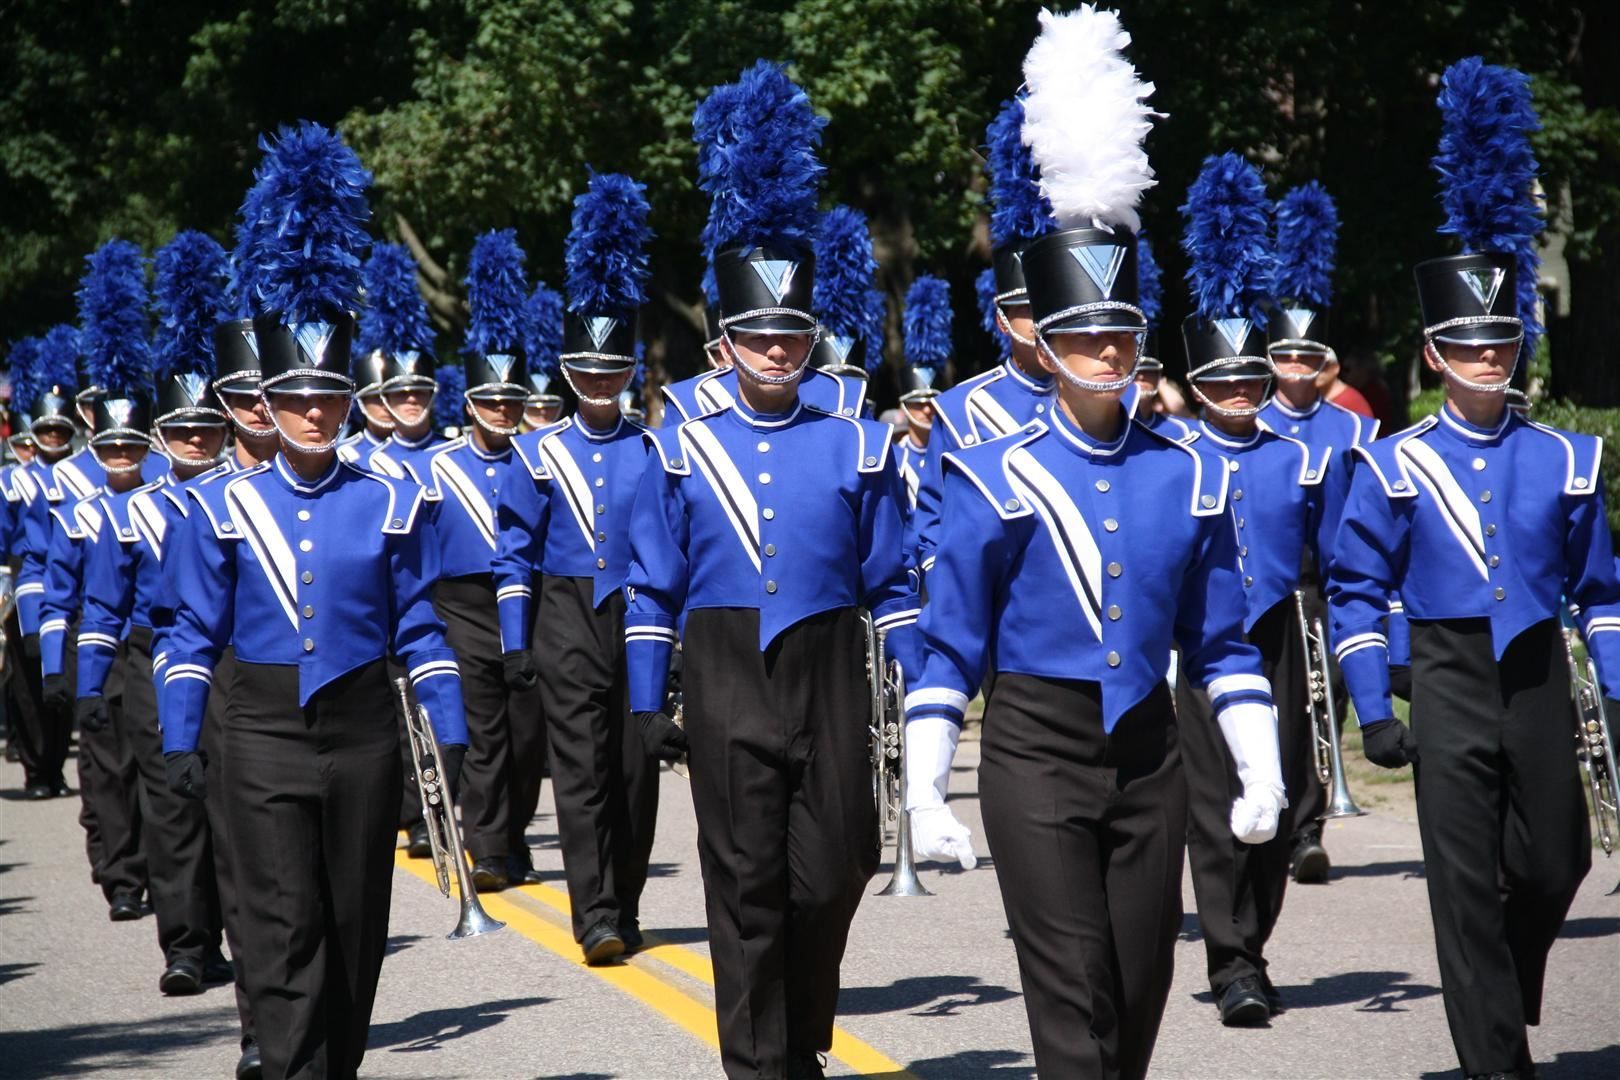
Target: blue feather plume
927	322
542	330
395	318
23	362
58	364
1488	171
113	317
188	293
1227	240
844	297
303	227
497	289
984	288
447	402
1307	241
1149	281
757	162
605	257
1018	210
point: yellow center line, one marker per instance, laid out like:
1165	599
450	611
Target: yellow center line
640	983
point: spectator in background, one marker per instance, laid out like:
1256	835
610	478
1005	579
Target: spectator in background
1338	391
1363	373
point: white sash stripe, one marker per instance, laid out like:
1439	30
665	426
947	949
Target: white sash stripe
990	413
1455	508
729	487
897	618
255	523
472	500
913	482
146	519
75	480
649	633
1071	537
189	671
435	667
578	491
51	626
714	397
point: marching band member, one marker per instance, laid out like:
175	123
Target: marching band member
927	334
1485	524
542	341
1276	488
758	532
1307	235
1149	368
314	570
500	782
565	528
1009	395
386	307
1131	534
409	385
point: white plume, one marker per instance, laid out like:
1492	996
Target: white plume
1085	119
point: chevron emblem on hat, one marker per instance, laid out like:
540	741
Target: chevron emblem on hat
540	381
926	376
119	409
777	274
1101	262
192	385
1235	331
839	344
501	365
313	338
599	327
252	340
1301	317
1484	284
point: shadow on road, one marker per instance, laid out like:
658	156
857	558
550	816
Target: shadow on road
12	904
1406	868
1370	991
12	972
933	995
432	1029
676	935
110	1049
401	942
1011	1064
1590	926
1574	1065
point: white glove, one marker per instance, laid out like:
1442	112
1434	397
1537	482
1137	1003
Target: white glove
935	832
1250	729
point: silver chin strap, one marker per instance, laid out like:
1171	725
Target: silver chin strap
770	380
387	425
293	444
1467	384
1233	414
925	421
1006	327
1094	386
399	420
119	470
489	428
180	462
595	402
1310	376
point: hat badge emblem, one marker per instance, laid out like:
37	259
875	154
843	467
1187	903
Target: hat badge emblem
1484	284
1235	332
1301	317
192	385
840	345
313	338
1102	263
501	365
777	274
119	409
599	327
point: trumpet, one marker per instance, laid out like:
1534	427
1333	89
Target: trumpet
8	604
439	815
1594	747
1324	717
887	726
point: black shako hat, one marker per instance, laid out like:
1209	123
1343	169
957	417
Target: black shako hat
764	290
122	416
1083	280
1470	299
307	357
1233	348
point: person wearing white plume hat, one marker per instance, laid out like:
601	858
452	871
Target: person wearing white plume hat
1074	552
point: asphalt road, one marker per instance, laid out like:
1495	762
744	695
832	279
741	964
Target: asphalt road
930	984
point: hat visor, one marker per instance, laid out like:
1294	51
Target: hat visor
542	401
918	397
54	420
773	323
308	384
192	418
408	382
1237	369
598	363
1149	365
1481	334
1107	321
498	392
120	436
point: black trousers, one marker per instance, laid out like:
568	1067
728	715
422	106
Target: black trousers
500	779
1503	820
782	791
42	735
604	784
1088	831
213	747
174	830
109	787
1239	887
312	798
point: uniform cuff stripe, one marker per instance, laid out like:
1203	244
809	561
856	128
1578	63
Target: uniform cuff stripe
106	641
512	590
1360	641
30	589
1234	684
953	700
896	618
435	667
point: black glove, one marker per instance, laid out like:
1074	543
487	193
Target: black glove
1389	743
58	698
662	736
31	648
452	757
1400	681
91	713
517	668
677	664
187	772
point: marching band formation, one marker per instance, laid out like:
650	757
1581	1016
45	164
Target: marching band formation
263	532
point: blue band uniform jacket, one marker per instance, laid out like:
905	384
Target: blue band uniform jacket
359	447
713	391
403	459
790	514
464	485
326	576
1325	428
565	512
1064	558
123	578
1463	523
912	461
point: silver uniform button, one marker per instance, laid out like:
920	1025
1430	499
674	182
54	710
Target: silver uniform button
770	586
768	514
600	481
396	524
306	577
871	461
303	515
1010	504
1501	594
970	440
764	447
1237	496
1040	408
594	457
1242	522
1114	612
1485	496
306	545
847	411
1479	463
676	463
764	477
309	612
601	564
1400	485
228	527
127	532
1207	501
1232	465
309	644
1113	659
1102	485
489	470
1114	569
770	549
1244	551
1496	560
1580	481
1293	429
601	537
1248	582
600	509
1490	530
1310	474
1110	524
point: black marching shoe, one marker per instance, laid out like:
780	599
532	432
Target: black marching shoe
602	944
1243	1003
1274	999
1310	860
182	976
40	791
248	1066
417	846
124	908
489	875
1513	1075
630	932
806	1065
216	969
520	869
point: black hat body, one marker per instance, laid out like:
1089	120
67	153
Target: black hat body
1293	326
711	326
844	355
540	391
1083	280
368	372
765	291
236	356
407	368
125	416
497	375
1233	348
1008	263
52	407
186	397
309	357
1470	299
919	382
598	342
